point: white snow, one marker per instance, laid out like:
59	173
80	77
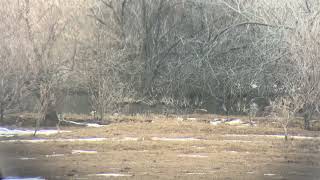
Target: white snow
269	174
192	119
26	158
111	175
179	119
234	122
254	86
215	123
192	155
95	125
272	136
5	132
196	173
233	152
126	139
174	139
54	140
83	152
69	140
21	178
240	141
177	139
54	155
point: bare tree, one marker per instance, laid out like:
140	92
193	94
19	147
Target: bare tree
11	82
49	61
106	88
304	50
284	110
183	54
12	70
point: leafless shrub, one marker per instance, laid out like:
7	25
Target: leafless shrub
183	54
284	110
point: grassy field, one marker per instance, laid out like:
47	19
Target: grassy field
159	147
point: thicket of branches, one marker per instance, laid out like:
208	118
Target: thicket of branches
181	53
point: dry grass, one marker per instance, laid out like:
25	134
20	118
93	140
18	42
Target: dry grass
220	156
267	125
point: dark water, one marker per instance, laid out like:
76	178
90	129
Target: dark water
78	104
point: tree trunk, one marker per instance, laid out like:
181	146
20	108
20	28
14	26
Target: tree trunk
307	117
285	129
101	116
1	114
51	117
101	112
47	113
307	122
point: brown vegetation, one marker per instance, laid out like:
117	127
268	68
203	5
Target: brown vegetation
220	152
184	55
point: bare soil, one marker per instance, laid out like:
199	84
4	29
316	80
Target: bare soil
166	148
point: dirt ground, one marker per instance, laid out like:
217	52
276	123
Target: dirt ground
165	148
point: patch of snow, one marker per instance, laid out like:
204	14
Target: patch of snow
54	140
179	119
234	152
95	125
5	132
22	178
269	174
69	140
26	158
254	86
303	137
81	140
83	152
239	141
215	123
192	155
126	139
201	111
196	173
272	136
174	139
93	113
231	121
191	119
234	122
112	175
54	155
